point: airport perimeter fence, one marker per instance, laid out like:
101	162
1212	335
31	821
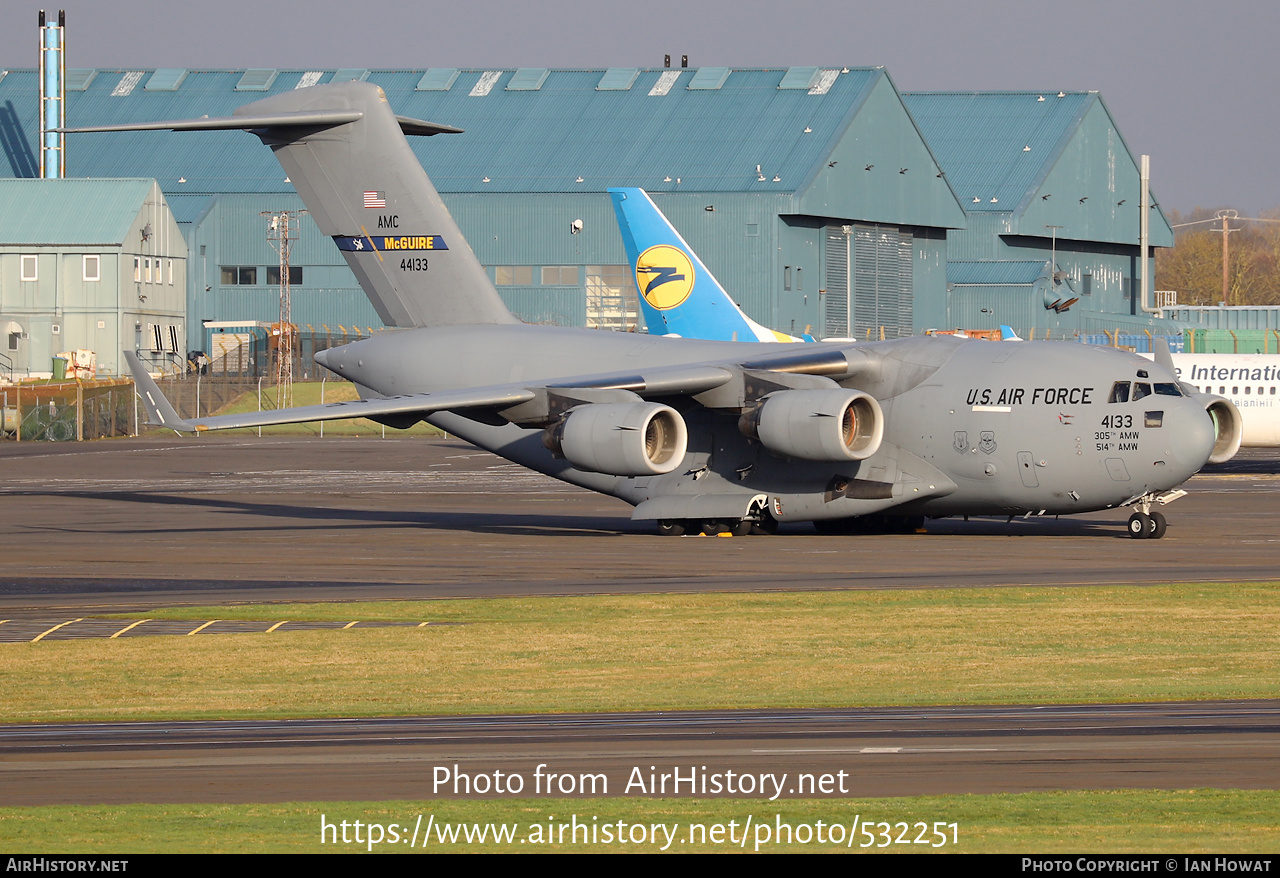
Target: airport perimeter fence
67	411
197	396
256	353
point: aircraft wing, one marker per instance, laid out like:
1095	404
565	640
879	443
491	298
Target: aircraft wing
678	380
160	412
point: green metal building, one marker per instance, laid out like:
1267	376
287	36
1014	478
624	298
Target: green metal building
89	264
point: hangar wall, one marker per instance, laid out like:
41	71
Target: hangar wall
823	199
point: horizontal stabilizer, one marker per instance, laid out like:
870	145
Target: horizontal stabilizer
305	119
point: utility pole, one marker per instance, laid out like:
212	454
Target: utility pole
282	231
1226	216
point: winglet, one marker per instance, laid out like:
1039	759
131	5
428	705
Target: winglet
1164	359
160	412
1007	333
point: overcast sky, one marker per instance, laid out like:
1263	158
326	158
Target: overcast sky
1191	82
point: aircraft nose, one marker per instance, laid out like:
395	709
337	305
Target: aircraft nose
1191	436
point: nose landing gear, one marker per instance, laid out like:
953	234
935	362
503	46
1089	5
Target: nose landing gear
1145	523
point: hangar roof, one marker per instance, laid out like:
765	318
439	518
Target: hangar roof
537	130
995	146
1046	158
69	212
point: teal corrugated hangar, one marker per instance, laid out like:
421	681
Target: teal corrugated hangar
819	201
1051	194
808	191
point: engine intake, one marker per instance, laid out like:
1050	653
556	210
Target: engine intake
837	424
1228	427
620	439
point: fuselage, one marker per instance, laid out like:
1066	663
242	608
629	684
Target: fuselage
970	427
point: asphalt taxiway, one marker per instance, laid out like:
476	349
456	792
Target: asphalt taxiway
135	525
131	525
846	753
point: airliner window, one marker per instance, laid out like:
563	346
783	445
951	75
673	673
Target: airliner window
1119	392
1142	373
1140	390
1153	419
1168	390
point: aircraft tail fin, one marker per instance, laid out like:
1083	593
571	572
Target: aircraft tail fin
678	295
1007	333
345	152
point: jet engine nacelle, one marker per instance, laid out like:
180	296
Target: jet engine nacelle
620	439
837	424
1228	426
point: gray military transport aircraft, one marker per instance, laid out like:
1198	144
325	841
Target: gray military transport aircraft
706	435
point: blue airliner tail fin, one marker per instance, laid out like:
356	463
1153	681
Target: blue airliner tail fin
678	295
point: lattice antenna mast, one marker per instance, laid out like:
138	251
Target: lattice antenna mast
282	231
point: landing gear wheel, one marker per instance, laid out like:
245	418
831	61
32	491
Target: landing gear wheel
766	526
742	528
711	528
1141	526
671	528
1158	526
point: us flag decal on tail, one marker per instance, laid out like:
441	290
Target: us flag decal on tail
375	199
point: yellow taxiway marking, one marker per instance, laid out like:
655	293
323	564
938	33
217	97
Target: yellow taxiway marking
202	627
127	628
349	625
55	628
275	626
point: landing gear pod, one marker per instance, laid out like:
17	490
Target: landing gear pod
620	439
835	424
1228	428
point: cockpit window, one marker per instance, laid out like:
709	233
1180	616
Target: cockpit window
1168	390
1119	392
1140	390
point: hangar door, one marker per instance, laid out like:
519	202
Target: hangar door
869	285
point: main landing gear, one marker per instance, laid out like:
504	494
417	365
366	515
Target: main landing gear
1146	523
677	527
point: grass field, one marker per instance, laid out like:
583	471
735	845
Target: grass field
675	652
801	649
1183	821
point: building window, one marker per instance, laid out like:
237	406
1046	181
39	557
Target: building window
559	275
612	298
753	230
786	277
295	276
148	267
170	272
92	268
242	275
513	275
137	269
799	278
1086	284
30	268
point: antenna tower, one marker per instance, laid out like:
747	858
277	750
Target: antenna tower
282	231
